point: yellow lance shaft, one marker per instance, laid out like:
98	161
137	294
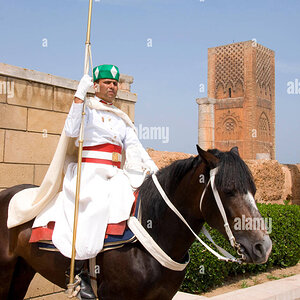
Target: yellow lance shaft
80	146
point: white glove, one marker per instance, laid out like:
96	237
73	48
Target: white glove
151	166
147	160
85	83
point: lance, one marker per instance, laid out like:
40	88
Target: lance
87	59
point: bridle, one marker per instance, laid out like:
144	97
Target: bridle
226	256
162	257
233	242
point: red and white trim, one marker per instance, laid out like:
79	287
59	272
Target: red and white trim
108	154
107	103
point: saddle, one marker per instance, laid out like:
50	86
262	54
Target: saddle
117	235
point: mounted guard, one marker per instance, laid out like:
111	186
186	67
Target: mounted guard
95	190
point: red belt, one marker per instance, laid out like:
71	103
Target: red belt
108	154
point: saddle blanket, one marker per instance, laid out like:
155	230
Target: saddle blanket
117	235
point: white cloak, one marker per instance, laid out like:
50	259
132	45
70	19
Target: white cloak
106	191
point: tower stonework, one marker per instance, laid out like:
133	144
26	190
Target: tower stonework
239	109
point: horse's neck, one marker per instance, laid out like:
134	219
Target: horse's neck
170	233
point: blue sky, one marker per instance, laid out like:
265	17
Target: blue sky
166	75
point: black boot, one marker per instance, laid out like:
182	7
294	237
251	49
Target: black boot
86	290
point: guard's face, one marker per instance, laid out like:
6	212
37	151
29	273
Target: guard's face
106	89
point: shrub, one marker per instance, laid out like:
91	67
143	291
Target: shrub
206	271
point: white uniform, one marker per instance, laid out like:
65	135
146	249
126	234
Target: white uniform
106	195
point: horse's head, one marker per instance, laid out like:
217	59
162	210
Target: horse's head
235	185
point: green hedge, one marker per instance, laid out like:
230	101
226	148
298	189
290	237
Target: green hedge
205	271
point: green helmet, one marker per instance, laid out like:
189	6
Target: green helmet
106	71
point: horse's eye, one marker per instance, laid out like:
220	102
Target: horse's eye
229	193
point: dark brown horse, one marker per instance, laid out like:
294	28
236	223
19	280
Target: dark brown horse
130	272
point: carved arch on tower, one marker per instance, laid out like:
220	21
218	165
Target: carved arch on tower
229	89
229	126
239	89
220	90
264	127
262	90
269	93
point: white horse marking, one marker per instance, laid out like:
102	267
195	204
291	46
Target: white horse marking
250	199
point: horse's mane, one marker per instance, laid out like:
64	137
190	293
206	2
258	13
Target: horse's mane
233	175
169	178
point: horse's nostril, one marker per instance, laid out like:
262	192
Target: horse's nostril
259	249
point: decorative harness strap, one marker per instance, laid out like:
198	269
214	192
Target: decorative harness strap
147	241
151	246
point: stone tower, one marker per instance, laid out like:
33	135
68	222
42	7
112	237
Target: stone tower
239	109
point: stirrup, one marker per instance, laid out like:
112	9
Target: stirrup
73	289
81	288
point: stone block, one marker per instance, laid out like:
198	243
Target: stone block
25	147
126	78
2	133
54	296
63	99
127	107
206	120
126	96
39	173
286	288
131	111
206	109
124	86
3	89
13	117
32	94
294	183
40	286
13	174
45	121
186	296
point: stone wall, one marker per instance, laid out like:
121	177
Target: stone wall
275	182
33	108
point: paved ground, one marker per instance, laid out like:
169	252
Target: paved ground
282	289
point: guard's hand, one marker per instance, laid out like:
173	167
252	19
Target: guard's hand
151	166
85	83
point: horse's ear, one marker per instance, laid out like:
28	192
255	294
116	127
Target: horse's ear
209	158
235	150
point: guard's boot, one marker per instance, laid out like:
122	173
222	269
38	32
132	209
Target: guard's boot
86	290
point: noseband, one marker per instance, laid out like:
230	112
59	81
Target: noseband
226	256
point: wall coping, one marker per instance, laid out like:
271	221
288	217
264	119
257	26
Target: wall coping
205	100
49	79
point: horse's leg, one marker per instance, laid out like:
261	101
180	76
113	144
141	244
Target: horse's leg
7	266
8	259
20	260
131	273
22	277
51	265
